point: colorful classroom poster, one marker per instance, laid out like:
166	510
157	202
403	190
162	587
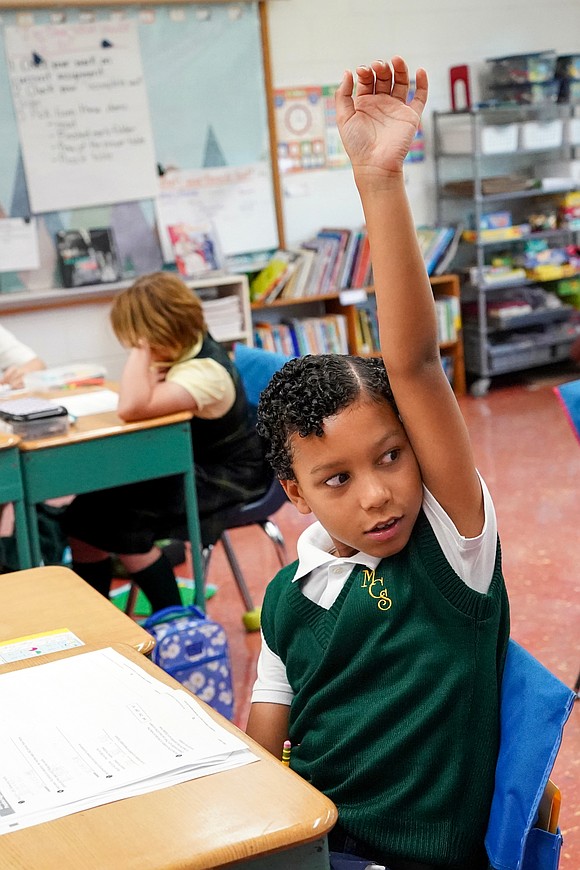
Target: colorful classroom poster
336	156
300	128
236	200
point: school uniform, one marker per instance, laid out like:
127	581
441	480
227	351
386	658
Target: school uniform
229	466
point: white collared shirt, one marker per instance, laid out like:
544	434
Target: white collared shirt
324	576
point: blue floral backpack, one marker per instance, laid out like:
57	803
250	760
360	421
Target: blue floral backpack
194	651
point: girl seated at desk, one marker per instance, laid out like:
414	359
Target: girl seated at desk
174	365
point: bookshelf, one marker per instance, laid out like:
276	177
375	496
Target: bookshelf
444	287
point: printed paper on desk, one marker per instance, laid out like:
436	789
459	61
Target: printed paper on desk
18	245
98	402
109	731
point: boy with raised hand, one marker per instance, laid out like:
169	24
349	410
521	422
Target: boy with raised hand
383	645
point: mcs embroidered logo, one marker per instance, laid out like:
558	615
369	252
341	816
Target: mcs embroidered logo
381	596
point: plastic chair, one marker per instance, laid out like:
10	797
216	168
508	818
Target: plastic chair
254	513
256	367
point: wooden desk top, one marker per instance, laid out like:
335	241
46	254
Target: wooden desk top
39	600
8	440
210	822
94	426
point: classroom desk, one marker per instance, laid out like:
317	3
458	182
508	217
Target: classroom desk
40	600
101	451
261	816
11	490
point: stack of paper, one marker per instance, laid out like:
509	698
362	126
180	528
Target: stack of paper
94	728
223	317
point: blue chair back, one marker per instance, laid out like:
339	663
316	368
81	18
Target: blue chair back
535	706
256	367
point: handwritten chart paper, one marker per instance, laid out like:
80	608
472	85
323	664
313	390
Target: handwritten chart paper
82	114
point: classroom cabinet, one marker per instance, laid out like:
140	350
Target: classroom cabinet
508	176
72	325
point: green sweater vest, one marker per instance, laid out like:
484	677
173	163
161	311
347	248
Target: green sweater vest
396	708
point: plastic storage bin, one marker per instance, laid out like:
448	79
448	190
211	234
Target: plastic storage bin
529	94
495	138
568	66
538	135
522	68
34	418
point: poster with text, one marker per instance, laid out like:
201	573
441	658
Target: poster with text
82	113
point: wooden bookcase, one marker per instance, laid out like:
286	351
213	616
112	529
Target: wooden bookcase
442	285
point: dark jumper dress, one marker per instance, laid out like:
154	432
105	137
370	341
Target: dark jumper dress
229	469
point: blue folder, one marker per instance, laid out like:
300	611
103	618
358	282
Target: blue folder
535	706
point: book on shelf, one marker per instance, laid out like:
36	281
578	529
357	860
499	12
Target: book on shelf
341	236
446	261
350	254
298	282
362	265
270	281
87	257
196	248
434	242
448	318
299	336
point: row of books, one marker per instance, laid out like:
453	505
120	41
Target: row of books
339	259
303	335
367	330
333	260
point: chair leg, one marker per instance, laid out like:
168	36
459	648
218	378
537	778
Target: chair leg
237	571
277	539
131	599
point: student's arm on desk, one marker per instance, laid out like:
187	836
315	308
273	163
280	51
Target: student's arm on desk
143	395
268	726
13	376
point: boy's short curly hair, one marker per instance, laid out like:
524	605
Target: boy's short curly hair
309	389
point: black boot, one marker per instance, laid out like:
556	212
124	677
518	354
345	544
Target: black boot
159	584
97	574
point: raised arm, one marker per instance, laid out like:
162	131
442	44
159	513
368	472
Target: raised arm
377	127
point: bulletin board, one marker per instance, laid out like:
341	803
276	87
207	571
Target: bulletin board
197	77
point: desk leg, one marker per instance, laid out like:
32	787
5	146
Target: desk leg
194	535
23	543
34	537
312	856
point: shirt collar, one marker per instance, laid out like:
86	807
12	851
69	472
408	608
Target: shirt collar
314	546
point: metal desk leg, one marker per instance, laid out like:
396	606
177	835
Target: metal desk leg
194	535
33	534
23	545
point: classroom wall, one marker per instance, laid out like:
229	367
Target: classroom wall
313	42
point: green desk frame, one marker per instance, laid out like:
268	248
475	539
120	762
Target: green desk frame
113	460
12	490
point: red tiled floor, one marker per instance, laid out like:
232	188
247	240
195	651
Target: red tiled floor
530	459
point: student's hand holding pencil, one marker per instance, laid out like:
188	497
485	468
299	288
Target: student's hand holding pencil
376	124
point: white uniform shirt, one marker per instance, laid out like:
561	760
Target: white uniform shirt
324	576
12	351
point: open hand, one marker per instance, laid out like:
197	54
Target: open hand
376	125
